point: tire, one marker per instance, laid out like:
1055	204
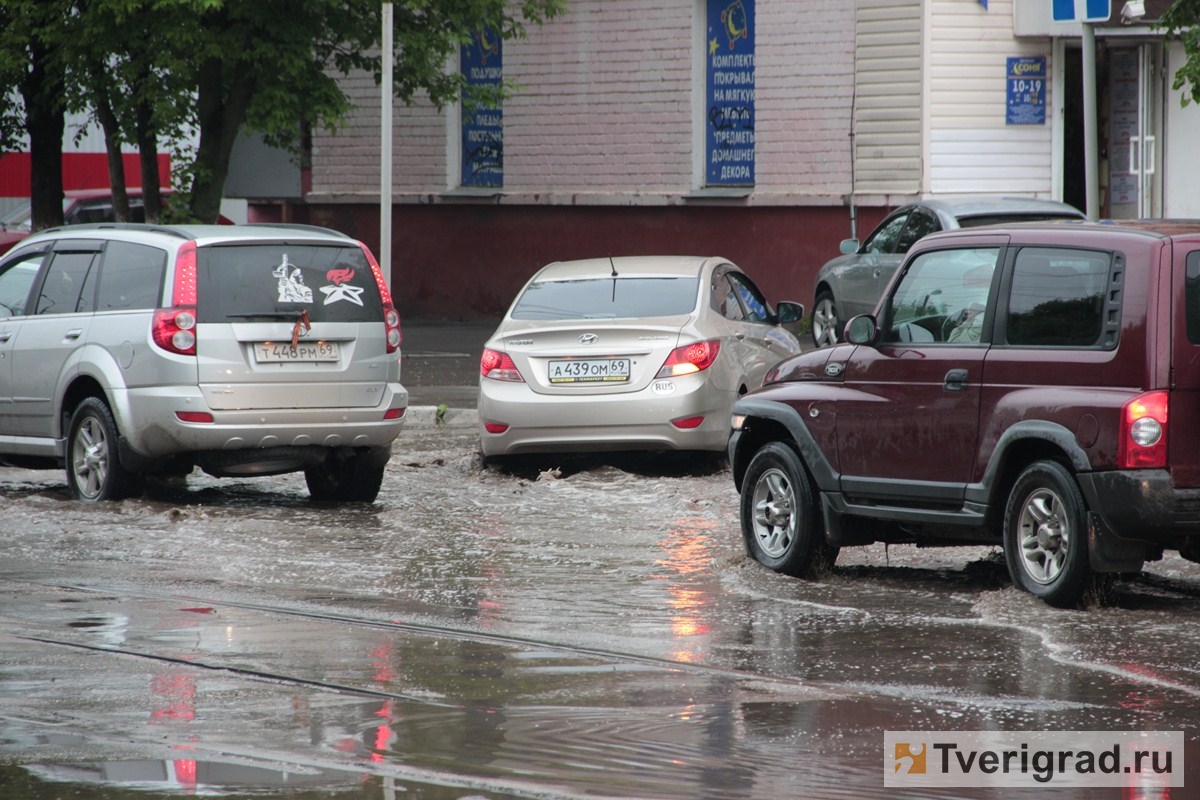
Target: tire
346	479
1045	537
826	326
781	524
94	469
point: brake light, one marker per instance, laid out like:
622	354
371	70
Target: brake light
1143	440
687	423
391	317
499	367
495	427
174	329
183	293
690	358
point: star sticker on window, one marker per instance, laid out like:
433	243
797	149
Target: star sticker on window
346	292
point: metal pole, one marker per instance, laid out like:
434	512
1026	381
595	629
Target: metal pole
385	149
1091	141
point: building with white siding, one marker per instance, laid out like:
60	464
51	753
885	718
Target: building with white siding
762	130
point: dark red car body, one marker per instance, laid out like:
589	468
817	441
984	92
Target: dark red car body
915	441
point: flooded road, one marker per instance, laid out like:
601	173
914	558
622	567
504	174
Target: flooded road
567	628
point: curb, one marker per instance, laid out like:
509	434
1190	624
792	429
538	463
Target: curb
427	417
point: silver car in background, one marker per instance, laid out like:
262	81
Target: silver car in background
633	353
852	283
131	350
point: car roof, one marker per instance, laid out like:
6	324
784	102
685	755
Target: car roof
625	266
974	206
201	234
1079	230
106	194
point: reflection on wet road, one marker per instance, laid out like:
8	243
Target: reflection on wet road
591	631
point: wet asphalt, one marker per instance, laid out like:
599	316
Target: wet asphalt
561	627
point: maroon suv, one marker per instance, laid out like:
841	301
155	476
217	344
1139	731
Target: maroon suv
1034	386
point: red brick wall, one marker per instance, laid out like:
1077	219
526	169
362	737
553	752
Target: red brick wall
467	262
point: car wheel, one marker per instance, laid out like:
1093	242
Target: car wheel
781	524
94	470
1045	536
345	479
826	327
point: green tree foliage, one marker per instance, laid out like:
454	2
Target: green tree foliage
148	69
33	57
1183	19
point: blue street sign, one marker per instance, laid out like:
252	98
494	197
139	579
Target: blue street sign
1082	10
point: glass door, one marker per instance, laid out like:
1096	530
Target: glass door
1134	125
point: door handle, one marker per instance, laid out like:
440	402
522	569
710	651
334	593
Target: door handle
5	336
740	336
956	380
74	333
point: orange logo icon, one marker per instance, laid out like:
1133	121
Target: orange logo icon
910	759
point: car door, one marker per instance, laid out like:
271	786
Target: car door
765	343
63	303
908	429
865	276
17	276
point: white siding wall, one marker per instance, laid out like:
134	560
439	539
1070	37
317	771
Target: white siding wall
608	111
888	113
971	149
1180	196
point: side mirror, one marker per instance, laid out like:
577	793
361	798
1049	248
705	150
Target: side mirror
862	330
787	312
848	246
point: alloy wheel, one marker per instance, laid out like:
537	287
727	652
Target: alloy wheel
774	513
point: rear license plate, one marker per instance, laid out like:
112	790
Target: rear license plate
590	370
267	352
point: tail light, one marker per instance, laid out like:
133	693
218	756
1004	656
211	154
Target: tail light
1143	441
499	367
174	329
391	317
695	357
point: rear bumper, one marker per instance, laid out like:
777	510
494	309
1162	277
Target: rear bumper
1143	505
602	422
149	425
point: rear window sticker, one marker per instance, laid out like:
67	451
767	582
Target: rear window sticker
341	289
291	283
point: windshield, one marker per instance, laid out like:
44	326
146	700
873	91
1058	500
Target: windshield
607	298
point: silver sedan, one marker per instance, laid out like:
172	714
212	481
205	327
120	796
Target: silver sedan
634	353
852	283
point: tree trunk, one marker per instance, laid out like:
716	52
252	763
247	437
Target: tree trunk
41	90
147	143
221	107
112	147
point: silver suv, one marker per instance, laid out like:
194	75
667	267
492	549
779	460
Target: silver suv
131	350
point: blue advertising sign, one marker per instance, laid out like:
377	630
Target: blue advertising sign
482	128
729	142
1026	91
1081	10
